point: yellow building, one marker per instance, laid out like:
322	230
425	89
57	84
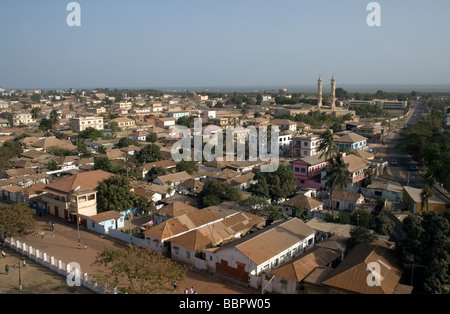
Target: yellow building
412	198
75	195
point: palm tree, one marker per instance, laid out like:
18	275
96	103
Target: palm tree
340	176
428	189
327	146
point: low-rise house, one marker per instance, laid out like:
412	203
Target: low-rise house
383	190
325	230
191	185
293	207
250	258
48	143
172	210
165	123
159	236
153	192
346	200
190	247
138	136
173	179
289	278
169	165
354	275
242	182
285	124
103	222
413	200
243	166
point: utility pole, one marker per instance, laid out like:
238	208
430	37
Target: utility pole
20	278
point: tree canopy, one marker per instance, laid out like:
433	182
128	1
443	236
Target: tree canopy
149	153
214	192
17	220
426	246
137	270
115	194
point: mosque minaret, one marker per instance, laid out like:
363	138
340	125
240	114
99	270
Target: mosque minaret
320	93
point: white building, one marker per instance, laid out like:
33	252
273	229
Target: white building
252	257
79	124
304	146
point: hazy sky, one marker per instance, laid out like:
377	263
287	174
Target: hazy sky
160	43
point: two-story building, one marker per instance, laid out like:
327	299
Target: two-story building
124	123
351	141
178	114
306	145
75	195
79	124
307	171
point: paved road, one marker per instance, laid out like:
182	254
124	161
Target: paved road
401	171
62	243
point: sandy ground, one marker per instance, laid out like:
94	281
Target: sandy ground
62	243
35	278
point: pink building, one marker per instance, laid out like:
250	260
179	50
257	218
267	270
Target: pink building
307	171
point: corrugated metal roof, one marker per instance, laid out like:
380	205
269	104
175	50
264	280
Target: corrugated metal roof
299	268
353	273
271	242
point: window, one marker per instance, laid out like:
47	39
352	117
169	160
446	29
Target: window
297	169
188	254
91	197
82	199
303	170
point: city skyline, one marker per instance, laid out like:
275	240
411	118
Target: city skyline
204	44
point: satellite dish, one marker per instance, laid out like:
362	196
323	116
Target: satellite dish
77	188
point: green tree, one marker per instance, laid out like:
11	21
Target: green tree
17	220
103	163
327	146
114	127
126	141
425	249
259	99
341	93
383	225
149	153
339	176
428	189
137	270
143	203
90	133
215	190
156	172
360	235
362	218
151	138
53	165
260	188
188	166
275	185
115	194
